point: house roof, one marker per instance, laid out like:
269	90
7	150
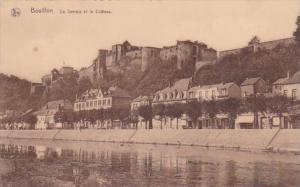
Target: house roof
53	106
141	98
66	104
180	85
250	81
218	86
226	85
294	79
195	88
280	81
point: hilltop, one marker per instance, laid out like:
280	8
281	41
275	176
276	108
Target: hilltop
14	93
270	64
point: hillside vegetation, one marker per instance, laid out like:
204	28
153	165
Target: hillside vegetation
14	92
268	64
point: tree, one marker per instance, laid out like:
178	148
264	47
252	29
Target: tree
59	116
145	111
30	119
211	109
92	116
297	32
278	105
256	104
159	110
134	115
65	117
175	111
230	106
83	85
194	110
121	114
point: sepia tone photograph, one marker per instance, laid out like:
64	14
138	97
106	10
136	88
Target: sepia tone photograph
108	93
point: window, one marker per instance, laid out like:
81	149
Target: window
191	94
91	103
87	104
200	94
206	94
223	91
99	102
104	102
108	101
285	92
95	103
294	94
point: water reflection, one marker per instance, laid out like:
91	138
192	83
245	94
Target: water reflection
53	166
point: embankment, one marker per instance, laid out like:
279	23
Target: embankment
284	140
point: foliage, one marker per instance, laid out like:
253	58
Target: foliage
297	32
31	119
278	104
194	110
175	110
158	76
256	103
14	93
269	64
211	108
145	111
159	110
230	106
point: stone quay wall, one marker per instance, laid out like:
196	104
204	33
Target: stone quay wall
273	140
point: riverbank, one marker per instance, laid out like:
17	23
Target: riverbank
273	140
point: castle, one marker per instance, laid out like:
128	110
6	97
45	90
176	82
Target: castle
182	53
255	45
54	75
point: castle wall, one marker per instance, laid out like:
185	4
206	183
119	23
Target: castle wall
134	54
168	53
109	60
185	52
46	80
229	52
272	44
149	55
209	55
87	72
263	45
66	70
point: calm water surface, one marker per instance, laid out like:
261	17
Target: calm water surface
57	163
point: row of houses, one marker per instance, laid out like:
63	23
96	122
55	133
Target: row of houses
184	91
181	91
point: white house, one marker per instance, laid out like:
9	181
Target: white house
289	86
45	116
215	91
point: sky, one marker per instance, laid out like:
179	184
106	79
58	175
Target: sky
32	44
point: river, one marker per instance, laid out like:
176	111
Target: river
31	163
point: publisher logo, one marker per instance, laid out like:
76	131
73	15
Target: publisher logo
15	12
